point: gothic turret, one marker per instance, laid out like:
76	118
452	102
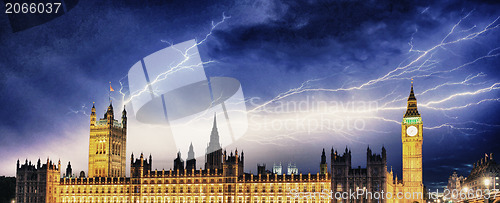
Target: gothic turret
191	161
322	165
124	117
384	154
110	114
69	171
179	163
93	116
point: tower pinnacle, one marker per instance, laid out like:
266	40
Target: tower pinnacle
411	109
190	152
214	143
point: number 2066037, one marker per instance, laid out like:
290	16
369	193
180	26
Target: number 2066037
17	8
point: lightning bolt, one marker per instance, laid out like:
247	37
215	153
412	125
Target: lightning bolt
83	110
421	64
172	68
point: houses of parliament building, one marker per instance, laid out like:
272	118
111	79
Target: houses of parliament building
223	178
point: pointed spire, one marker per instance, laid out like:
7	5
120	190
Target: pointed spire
412	95
411	109
191	152
215	121
92	115
323	157
110	107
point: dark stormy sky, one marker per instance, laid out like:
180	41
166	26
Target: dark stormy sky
357	56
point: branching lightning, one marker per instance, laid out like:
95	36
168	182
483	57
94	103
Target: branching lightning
83	110
172	68
421	64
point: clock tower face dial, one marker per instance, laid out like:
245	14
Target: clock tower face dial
412	131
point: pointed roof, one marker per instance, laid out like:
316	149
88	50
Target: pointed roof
179	157
191	152
323	157
411	109
412	95
214	127
109	111
214	143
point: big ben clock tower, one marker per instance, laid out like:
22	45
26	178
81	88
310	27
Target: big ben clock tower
411	136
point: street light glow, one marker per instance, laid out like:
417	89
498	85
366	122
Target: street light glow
486	181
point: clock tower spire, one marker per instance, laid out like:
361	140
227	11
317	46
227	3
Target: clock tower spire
412	139
411	109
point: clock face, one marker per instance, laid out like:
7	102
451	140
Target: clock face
411	131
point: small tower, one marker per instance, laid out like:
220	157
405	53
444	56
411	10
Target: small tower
124	118
277	169
191	161
322	165
110	115
179	163
69	171
292	169
92	116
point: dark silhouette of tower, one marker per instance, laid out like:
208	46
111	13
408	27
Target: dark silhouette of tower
69	171
140	166
179	163
233	164
323	167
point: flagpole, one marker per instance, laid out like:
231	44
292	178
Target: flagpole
109	93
